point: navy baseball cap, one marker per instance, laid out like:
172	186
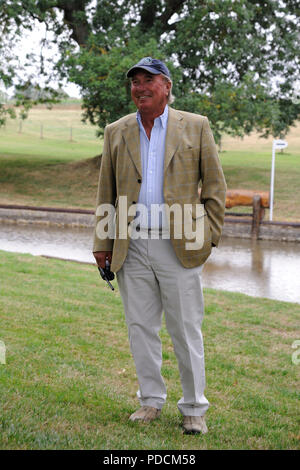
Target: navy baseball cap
154	66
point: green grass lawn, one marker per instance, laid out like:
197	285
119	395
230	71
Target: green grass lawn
54	171
69	380
55	145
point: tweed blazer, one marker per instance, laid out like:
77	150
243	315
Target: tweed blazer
191	162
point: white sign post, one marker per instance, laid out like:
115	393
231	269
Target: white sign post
277	144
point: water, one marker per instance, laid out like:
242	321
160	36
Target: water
260	268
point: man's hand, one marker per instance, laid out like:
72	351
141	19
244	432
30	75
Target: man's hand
101	257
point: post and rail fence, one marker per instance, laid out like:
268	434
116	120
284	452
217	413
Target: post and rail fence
258	200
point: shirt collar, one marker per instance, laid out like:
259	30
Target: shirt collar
163	118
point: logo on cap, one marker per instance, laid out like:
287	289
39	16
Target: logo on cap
146	61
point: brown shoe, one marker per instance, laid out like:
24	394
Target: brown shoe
146	414
194	425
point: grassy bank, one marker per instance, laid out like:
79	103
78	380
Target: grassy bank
52	171
59	172
69	380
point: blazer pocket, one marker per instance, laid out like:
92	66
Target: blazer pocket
188	157
189	150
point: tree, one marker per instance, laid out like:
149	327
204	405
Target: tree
235	61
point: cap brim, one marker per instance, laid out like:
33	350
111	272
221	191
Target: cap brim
144	67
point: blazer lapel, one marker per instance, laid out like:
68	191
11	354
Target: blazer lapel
174	133
131	134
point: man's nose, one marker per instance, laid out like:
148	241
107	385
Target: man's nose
141	86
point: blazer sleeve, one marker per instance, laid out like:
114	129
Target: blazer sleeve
213	191
106	193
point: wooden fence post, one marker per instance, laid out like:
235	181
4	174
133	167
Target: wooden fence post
256	217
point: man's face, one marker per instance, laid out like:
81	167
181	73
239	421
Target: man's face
149	92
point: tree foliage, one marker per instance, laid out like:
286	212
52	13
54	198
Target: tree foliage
235	61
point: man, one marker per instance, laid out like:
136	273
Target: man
157	158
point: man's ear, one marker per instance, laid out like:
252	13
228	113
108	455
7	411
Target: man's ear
168	87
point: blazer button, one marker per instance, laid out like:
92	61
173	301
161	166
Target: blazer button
139	180
133	202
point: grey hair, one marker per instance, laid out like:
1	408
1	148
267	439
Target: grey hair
171	97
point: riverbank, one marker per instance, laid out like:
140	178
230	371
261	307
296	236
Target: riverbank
251	267
69	380
42	181
234	227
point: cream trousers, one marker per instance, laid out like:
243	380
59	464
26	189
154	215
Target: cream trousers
151	281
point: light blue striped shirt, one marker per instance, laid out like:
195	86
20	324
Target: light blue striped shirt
152	158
